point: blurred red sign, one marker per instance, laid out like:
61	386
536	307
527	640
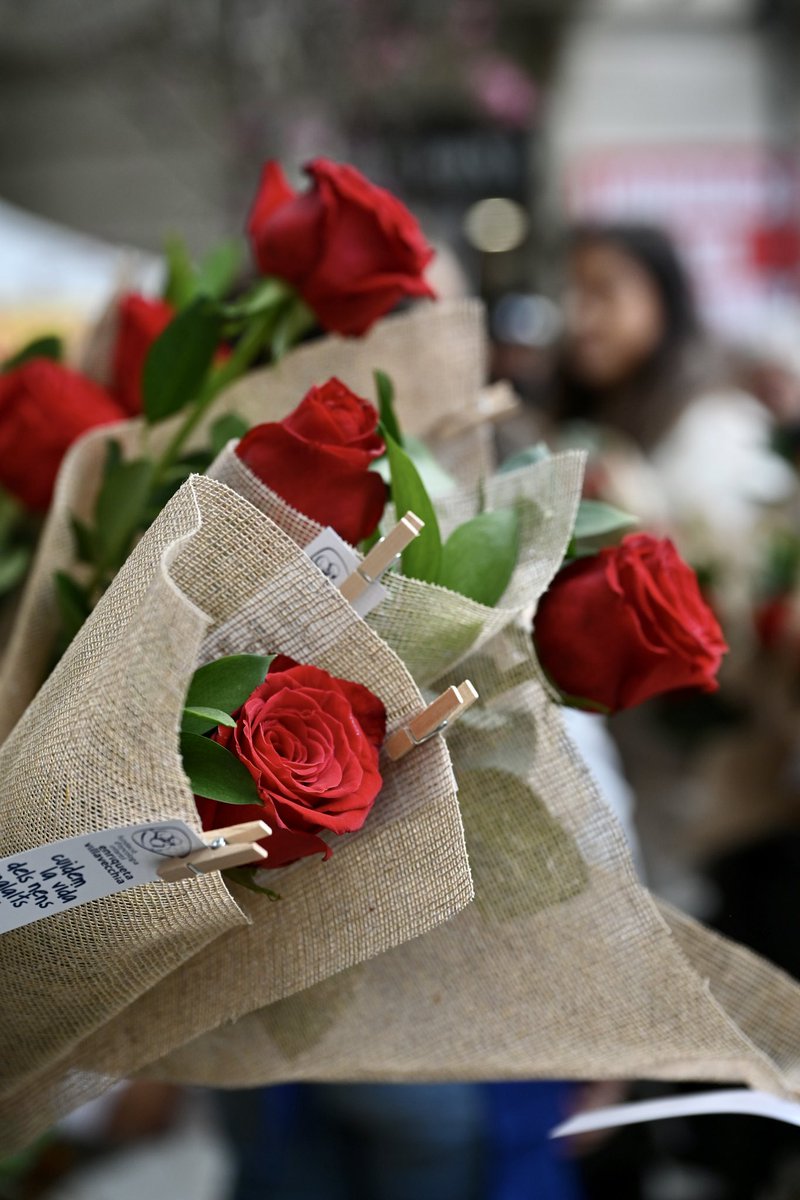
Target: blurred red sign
734	212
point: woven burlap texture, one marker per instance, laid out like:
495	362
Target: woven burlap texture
98	748
564	966
437	356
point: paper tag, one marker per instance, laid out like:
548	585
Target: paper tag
49	879
337	560
733	1100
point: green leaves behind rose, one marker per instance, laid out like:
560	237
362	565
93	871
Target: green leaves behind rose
597	525
217	690
18	531
479	557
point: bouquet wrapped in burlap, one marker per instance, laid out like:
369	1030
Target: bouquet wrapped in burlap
437	357
97	748
564	965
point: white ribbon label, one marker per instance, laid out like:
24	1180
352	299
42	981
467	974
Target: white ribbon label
336	560
49	879
734	1100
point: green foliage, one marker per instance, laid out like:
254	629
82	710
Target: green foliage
422	559
227	682
388	418
180	359
225	429
216	773
479	557
74	605
49	346
14	563
596	525
202	720
118	512
218	269
525	458
244	876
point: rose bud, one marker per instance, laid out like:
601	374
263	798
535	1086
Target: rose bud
317	459
139	322
44	408
621	626
350	248
311	742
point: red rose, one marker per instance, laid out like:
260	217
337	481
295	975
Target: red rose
139	323
317	459
311	743
44	408
351	249
626	624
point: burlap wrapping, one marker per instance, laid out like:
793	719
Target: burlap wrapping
98	748
564	966
437	357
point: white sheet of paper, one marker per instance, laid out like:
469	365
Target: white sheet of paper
337	560
733	1100
49	879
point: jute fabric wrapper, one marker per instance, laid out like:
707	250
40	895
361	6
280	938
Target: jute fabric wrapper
564	966
437	356
98	748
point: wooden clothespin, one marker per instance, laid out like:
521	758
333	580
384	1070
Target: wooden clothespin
444	710
231	847
381	556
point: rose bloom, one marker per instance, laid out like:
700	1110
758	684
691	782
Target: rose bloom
139	322
629	623
350	248
317	459
311	742
44	408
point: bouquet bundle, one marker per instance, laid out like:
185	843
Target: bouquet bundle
564	964
374	965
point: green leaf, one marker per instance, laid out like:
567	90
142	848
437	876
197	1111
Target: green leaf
245	877
433	475
11	513
14	563
423	557
525	458
118	511
598	520
49	346
478	559
74	605
179	360
295	320
385	390
84	539
219	268
266	294
216	773
202	720
227	682
225	429
180	287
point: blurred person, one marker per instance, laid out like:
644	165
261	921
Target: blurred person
682	445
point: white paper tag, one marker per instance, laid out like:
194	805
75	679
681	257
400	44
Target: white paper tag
49	879
733	1100
336	560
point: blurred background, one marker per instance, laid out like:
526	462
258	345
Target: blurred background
502	124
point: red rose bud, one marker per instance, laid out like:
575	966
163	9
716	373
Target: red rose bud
139	323
317	459
351	249
311	742
44	408
627	624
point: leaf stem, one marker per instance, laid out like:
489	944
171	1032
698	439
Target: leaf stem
241	358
